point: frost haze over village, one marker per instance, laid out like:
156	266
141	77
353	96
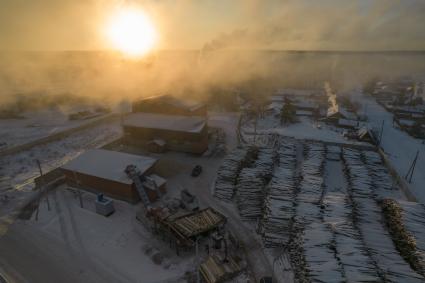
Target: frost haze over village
242	158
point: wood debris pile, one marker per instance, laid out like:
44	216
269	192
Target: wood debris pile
250	189
198	222
369	222
279	203
215	270
414	222
229	170
404	240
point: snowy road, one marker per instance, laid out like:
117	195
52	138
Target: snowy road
398	145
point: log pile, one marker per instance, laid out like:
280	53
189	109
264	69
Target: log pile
250	189
228	172
347	242
368	217
310	190
279	203
384	186
215	270
321	263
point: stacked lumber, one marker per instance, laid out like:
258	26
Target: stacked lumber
349	247
250	189
250	194
381	178
214	270
310	190
368	216
198	222
333	153
228	173
279	203
320	261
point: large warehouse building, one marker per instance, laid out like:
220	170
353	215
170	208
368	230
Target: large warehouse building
170	105
103	171
164	122
173	132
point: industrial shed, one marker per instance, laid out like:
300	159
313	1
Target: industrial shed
170	105
102	171
179	133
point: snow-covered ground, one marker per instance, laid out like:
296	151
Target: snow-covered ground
17	171
37	125
305	128
398	145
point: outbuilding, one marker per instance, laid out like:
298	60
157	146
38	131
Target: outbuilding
103	171
179	133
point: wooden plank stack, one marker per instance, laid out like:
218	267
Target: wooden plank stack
198	222
214	270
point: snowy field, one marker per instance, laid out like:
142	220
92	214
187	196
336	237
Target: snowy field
317	210
305	128
37	125
96	248
17	171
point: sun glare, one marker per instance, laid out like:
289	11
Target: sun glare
131	32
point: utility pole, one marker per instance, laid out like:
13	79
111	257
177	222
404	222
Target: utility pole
411	170
43	182
255	126
79	189
41	192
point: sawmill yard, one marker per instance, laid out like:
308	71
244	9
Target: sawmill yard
304	203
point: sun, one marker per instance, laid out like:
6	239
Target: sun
131	31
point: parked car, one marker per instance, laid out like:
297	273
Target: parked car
266	279
197	170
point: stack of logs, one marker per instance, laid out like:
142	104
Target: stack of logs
279	203
250	190
229	171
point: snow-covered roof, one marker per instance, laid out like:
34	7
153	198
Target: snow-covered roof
296	92
362	132
108	164
348	123
406	122
190	124
305	104
336	109
303	113
275	106
174	101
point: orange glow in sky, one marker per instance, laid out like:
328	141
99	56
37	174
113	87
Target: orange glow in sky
131	31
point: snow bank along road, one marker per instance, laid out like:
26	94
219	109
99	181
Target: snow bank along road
398	145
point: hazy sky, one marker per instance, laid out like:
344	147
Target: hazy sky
191	24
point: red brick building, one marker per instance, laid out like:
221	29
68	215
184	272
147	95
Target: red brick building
102	171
